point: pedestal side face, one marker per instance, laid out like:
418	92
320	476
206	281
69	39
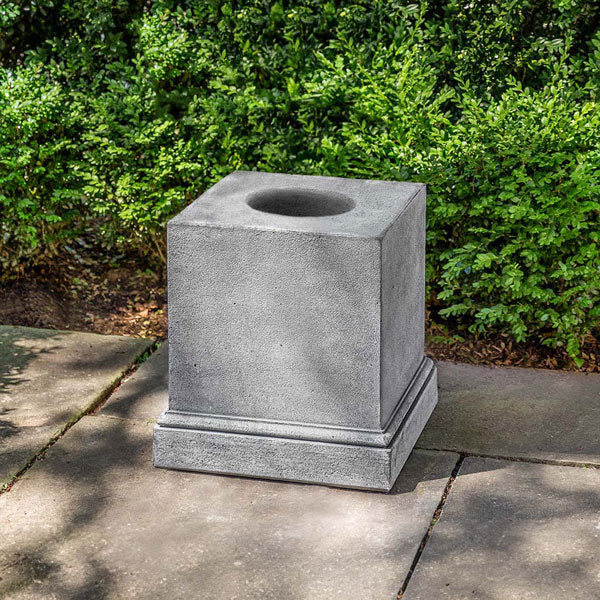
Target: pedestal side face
274	325
403	303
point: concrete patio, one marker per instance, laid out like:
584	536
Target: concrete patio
500	500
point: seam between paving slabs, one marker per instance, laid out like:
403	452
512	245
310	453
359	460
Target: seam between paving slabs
455	472
434	519
91	409
523	459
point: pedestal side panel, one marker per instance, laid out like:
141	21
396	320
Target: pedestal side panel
403	303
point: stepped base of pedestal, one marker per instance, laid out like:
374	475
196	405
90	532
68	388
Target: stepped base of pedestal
301	460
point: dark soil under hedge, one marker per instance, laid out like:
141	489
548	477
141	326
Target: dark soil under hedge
125	297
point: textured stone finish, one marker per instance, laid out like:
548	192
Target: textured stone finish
296	330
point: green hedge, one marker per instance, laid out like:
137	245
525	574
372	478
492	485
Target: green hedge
116	114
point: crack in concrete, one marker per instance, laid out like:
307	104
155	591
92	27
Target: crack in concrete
434	519
94	406
455	472
532	460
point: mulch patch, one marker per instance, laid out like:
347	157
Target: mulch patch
500	350
85	291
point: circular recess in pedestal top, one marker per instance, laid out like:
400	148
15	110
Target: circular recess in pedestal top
298	202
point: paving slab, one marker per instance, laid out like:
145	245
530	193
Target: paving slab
534	414
514	531
48	378
95	519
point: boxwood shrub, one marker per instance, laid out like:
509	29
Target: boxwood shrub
117	113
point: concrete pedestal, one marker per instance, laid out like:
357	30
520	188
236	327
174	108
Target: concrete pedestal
296	330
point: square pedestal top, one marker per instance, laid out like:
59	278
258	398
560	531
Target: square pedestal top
301	203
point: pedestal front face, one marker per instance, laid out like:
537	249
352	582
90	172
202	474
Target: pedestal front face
296	313
272	325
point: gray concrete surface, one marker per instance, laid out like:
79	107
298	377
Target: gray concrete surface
145	394
48	378
94	519
514	531
522	413
306	316
18	445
